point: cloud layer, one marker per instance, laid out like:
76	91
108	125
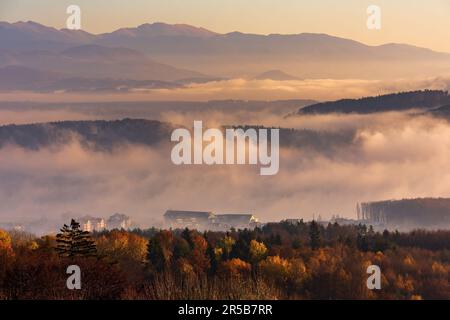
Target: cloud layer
392	155
317	89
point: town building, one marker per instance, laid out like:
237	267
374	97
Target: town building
12	226
118	221
91	224
188	219
234	221
207	220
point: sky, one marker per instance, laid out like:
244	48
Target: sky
417	22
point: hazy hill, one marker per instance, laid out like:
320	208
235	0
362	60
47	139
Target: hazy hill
276	75
100	135
24	78
106	135
391	102
93	61
443	111
326	143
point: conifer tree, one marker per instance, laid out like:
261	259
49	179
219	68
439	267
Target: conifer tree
74	242
314	235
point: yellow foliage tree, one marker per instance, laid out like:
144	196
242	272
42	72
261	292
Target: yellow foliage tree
226	244
5	243
257	251
121	245
235	267
275	267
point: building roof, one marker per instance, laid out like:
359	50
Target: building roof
234	218
89	218
181	214
118	217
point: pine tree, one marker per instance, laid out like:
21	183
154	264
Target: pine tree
74	242
160	250
212	258
314	235
361	239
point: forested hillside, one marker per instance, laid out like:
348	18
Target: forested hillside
278	261
98	134
391	102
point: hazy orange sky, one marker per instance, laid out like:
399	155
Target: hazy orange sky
417	22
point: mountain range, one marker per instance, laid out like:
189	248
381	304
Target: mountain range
178	52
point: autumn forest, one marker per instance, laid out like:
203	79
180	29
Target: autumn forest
302	260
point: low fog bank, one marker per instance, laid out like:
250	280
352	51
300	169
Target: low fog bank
371	157
248	89
181	112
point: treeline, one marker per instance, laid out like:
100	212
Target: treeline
98	134
421	99
426	212
278	261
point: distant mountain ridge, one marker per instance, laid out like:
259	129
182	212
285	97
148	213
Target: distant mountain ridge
159	29
34	36
233	54
425	99
19	78
94	61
